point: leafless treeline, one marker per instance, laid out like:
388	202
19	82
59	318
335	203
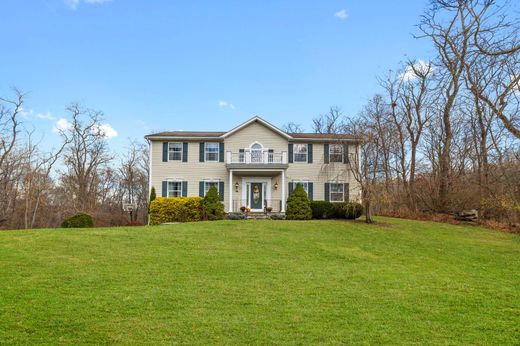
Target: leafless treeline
444	135
39	188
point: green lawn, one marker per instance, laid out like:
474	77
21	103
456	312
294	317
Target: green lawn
261	282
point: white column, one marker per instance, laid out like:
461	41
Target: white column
283	191
230	198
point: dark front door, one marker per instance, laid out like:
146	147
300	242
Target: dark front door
256	198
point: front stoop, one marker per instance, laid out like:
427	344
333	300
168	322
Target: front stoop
257	216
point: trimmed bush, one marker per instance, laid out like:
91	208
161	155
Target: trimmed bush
298	205
212	208
80	220
353	210
322	210
276	216
176	209
236	216
339	210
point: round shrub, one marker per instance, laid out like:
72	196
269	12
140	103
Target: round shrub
80	220
353	210
212	208
298	205
322	210
236	216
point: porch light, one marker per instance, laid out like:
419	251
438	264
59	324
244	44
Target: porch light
276	186
236	186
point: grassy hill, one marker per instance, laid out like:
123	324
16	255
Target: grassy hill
261	282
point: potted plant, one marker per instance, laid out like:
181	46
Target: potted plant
269	209
243	209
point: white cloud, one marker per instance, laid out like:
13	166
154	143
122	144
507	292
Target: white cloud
45	116
106	130
225	104
73	4
341	14
409	74
26	114
62	125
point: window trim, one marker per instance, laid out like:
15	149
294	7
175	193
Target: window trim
172	152
342	153
168	187
214	181
343	192
306	146
206	152
306	182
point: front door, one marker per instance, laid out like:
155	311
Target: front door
257	196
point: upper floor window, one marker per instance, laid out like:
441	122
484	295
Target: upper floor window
174	188
337	192
336	153
211	151
300	153
175	151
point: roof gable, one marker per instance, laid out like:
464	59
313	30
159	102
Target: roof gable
258	120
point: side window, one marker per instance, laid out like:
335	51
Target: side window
174	189
337	193
336	153
211	151
300	153
174	151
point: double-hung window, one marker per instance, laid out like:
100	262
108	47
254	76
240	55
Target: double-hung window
336	153
208	185
337	192
304	184
174	189
211	151
300	153
174	151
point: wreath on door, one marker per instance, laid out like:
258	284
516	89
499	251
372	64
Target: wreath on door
256	193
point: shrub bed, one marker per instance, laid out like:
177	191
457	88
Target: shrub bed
236	216
80	220
329	210
176	209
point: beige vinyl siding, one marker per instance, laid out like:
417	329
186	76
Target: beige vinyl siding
194	171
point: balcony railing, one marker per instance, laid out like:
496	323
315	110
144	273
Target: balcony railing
257	157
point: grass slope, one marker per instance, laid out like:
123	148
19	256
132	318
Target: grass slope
261	282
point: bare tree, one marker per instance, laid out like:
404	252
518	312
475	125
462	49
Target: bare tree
292	128
85	156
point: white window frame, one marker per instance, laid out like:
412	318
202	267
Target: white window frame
171	146
342	192
305	185
331	154
306	153
207	152
207	185
173	190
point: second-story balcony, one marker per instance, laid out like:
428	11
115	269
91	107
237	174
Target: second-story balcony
256	159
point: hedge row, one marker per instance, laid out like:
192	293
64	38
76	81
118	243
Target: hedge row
178	209
329	210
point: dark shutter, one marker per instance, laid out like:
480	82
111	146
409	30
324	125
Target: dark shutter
310	193
201	189
165	189
184	189
346	192
221	190
345	153
165	152
309	153
201	152
221	152
327	192
290	153
185	152
291	187
326	153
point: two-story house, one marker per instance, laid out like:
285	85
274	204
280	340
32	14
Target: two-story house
253	165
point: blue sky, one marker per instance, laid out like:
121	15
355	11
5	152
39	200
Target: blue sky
201	65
